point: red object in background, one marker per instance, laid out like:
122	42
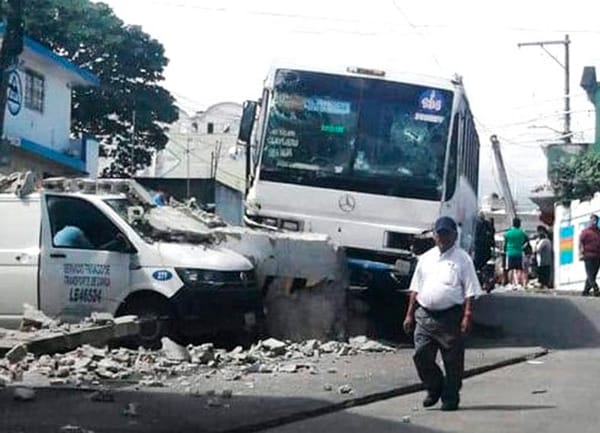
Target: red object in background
547	217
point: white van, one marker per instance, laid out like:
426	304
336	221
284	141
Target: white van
72	253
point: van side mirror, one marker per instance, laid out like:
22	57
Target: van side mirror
245	134
247	122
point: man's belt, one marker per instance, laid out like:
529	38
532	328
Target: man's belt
454	308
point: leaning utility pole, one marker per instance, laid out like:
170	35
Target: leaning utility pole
567	132
509	203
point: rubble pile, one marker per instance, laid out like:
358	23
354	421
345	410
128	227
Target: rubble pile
36	321
89	365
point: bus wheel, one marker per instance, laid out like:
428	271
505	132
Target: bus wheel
156	317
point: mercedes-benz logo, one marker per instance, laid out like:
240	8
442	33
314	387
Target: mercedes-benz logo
347	203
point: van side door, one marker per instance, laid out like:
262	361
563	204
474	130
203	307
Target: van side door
85	260
19	256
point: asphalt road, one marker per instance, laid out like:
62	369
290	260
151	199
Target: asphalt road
554	394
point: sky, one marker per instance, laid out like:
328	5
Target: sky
221	50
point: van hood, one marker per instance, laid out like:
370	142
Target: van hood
202	257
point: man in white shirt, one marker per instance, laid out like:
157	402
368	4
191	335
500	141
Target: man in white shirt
439	311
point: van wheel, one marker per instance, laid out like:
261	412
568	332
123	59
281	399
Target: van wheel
156	321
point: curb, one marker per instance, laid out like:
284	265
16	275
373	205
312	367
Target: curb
375	397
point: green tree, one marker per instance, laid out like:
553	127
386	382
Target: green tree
130	65
576	178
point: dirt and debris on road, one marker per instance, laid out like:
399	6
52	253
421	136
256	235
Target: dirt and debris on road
88	365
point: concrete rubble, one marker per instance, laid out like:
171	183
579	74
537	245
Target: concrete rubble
40	334
91	366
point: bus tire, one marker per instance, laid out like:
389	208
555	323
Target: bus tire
157	319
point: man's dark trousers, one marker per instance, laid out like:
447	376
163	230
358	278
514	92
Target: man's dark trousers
591	271
440	330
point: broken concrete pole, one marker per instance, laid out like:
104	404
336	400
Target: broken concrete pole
174	351
307	278
17	353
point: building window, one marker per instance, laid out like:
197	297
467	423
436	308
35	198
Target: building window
34	91
210	128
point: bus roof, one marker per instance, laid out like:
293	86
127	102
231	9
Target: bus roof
362	71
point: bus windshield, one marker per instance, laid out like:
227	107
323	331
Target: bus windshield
356	134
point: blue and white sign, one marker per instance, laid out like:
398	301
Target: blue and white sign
431	101
162	275
14	96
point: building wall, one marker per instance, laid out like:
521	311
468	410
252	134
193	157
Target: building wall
42	168
229	204
203	190
569	223
52	127
196	141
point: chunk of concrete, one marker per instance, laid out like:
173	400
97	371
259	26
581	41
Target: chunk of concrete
34	318
17	353
274	346
102	318
174	351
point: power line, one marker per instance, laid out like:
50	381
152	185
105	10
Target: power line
416	30
444	26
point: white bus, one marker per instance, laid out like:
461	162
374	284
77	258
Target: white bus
368	157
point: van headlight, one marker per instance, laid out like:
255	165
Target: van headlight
199	277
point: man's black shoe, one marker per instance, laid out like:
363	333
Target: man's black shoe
431	399
448	406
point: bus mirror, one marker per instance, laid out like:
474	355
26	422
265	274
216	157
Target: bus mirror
247	122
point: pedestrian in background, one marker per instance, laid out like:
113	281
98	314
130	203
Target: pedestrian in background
544	258
589	252
439	312
515	240
160	198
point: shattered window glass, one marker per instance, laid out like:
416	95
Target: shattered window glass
357	134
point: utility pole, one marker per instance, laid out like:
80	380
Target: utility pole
12	47
565	65
508	198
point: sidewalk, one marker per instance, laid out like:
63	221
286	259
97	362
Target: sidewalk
259	401
554	394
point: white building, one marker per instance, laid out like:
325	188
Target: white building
202	160
38	116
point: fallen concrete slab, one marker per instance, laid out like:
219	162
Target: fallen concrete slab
48	341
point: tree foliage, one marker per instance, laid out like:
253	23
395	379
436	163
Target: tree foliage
130	65
577	178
